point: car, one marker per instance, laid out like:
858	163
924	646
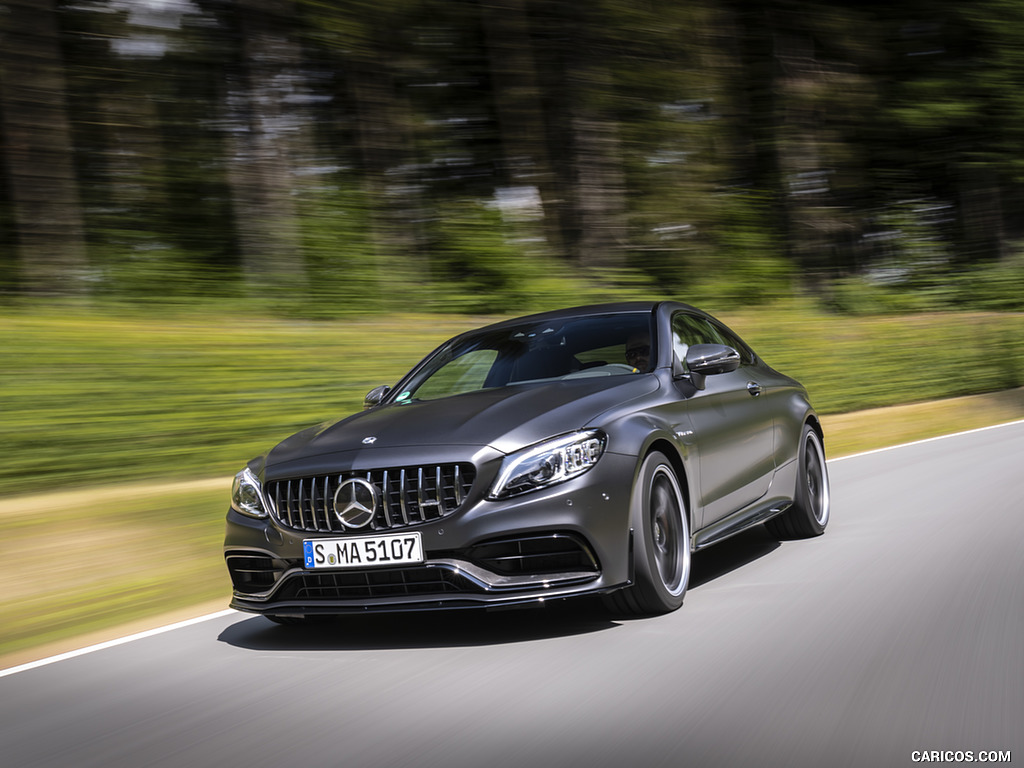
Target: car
582	452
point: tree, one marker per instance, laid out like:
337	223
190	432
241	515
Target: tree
38	150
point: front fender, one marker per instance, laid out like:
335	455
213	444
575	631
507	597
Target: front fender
636	435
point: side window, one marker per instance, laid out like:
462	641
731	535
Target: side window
688	330
732	340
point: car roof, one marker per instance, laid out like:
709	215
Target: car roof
583	311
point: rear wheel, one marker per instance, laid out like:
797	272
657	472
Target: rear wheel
661	542
812	499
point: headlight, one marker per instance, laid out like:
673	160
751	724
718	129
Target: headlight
553	461
247	496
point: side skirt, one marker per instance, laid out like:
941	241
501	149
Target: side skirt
740	521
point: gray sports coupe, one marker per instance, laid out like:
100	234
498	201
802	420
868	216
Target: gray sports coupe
587	451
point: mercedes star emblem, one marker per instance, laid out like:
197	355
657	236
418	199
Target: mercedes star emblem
355	502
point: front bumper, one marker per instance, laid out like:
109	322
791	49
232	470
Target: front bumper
566	541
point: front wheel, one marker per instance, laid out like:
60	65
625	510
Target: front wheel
812	499
661	542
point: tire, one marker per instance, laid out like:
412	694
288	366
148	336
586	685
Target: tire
661	543
811	508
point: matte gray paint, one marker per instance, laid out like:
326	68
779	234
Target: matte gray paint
737	454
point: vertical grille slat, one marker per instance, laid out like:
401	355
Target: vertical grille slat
386	496
408	496
314	504
439	491
403	500
330	488
419	493
457	485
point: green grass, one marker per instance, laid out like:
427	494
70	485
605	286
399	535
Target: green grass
88	560
92	398
850	364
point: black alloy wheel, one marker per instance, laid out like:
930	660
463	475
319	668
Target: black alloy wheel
812	498
661	542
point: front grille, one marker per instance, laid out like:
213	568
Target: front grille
252	573
549	553
409	495
356	585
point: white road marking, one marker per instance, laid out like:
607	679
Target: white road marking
922	442
113	643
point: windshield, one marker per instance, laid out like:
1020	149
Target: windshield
599	345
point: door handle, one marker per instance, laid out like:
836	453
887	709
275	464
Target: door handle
754	388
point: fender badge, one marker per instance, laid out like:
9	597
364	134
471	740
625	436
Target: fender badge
369	440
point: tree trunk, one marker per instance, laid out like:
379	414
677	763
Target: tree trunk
266	152
387	156
518	104
38	150
599	194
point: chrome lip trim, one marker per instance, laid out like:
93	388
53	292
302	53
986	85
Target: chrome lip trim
487	580
493	582
434	602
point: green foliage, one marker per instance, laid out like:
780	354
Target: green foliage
748	268
996	287
861	296
851	364
347	276
485	263
104	397
993	287
148	273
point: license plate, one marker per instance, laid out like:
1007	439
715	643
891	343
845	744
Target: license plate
363	551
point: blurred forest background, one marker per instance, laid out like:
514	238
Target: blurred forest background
321	159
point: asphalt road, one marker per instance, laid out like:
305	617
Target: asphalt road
900	630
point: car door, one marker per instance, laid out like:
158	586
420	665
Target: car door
731	424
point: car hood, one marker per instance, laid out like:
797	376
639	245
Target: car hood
505	419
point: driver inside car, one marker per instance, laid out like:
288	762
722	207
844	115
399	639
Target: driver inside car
638	352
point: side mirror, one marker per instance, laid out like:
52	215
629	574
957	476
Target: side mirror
374	396
709	359
703	360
